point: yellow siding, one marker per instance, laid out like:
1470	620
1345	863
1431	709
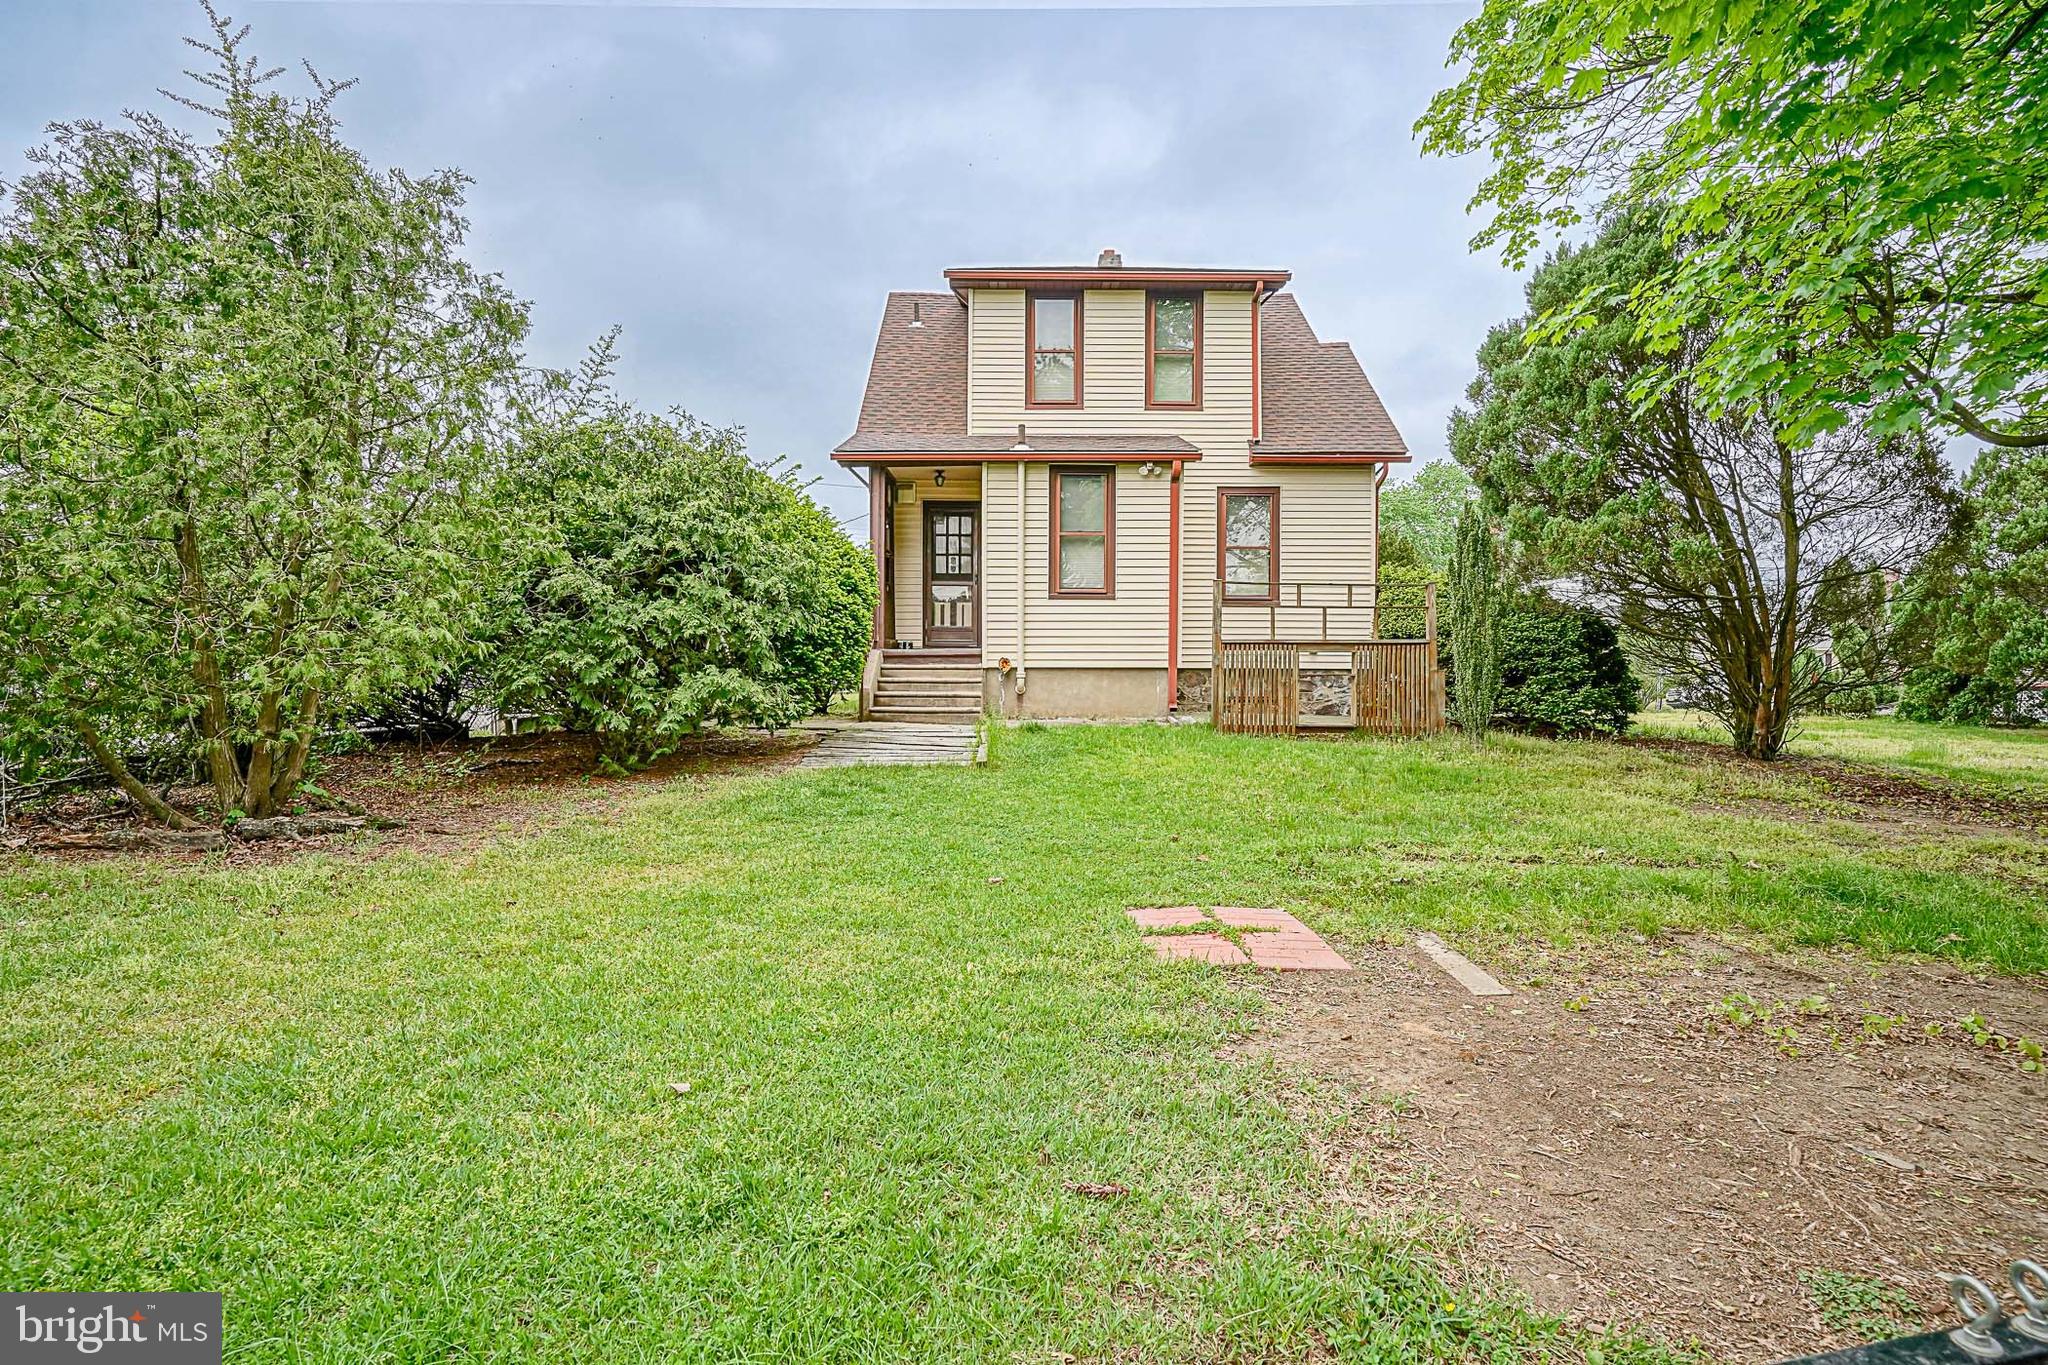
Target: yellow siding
1326	536
1126	631
1112	369
1326	515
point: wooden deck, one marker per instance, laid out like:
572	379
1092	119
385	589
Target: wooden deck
1387	646
863	743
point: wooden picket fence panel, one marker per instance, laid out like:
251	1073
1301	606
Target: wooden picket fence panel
1396	688
1257	688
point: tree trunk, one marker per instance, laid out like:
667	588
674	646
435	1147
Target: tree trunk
293	770
214	741
257	784
141	795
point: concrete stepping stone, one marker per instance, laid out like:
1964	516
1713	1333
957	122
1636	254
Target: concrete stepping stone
1462	969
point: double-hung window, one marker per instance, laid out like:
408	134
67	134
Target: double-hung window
1052	340
1248	543
1173	351
1083	532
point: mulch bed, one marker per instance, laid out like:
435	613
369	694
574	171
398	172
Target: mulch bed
425	797
1631	1154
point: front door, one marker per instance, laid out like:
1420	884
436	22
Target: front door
952	570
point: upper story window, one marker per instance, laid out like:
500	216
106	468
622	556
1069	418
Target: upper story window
1052	344
1083	532
1173	351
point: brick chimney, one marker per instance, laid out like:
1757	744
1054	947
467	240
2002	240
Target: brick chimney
1110	259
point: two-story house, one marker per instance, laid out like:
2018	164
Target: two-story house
1069	467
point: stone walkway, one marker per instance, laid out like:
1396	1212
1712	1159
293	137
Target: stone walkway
888	741
1272	939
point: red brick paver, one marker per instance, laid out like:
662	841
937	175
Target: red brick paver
1201	947
1166	916
1274	939
1244	917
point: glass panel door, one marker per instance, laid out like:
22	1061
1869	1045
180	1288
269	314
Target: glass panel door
952	562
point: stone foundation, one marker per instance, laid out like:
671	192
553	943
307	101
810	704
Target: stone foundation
1325	692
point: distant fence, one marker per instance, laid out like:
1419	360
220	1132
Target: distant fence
1260	683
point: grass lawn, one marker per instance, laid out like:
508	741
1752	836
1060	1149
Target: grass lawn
420	1108
2010	762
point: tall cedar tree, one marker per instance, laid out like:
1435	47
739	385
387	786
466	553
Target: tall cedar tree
1711	537
1475	621
242	385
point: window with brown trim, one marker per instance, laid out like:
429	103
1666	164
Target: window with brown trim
1052	350
1248	543
1173	351
1083	532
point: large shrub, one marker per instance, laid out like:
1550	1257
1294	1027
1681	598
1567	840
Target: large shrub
1942	697
1563	672
671	584
822	649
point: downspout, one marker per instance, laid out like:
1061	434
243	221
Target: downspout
1258	397
1020	588
1173	595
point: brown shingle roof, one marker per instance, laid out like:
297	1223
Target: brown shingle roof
1317	398
917	385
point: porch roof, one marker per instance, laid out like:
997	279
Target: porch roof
889	447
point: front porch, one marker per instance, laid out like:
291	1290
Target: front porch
927	543
924	664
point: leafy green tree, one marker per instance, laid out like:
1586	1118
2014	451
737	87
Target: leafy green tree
1708	537
671	584
1978	611
1420	515
1475	614
244	384
1863	190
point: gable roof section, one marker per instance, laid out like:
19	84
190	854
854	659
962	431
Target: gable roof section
917	383
1318	406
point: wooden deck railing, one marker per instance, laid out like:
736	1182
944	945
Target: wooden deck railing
1384	636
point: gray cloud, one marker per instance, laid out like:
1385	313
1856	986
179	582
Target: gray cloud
740	186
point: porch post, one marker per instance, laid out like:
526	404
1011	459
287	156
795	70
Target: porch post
878	537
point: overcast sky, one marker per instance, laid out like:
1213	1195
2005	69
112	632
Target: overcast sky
739	186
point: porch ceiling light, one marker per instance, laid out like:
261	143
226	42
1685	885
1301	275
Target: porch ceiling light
938	478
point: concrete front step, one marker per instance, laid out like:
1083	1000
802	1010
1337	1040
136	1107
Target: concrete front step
951	672
921	688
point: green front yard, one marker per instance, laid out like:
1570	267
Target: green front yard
422	1108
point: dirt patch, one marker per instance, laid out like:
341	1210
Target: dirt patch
1668	1136
440	797
1889	796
